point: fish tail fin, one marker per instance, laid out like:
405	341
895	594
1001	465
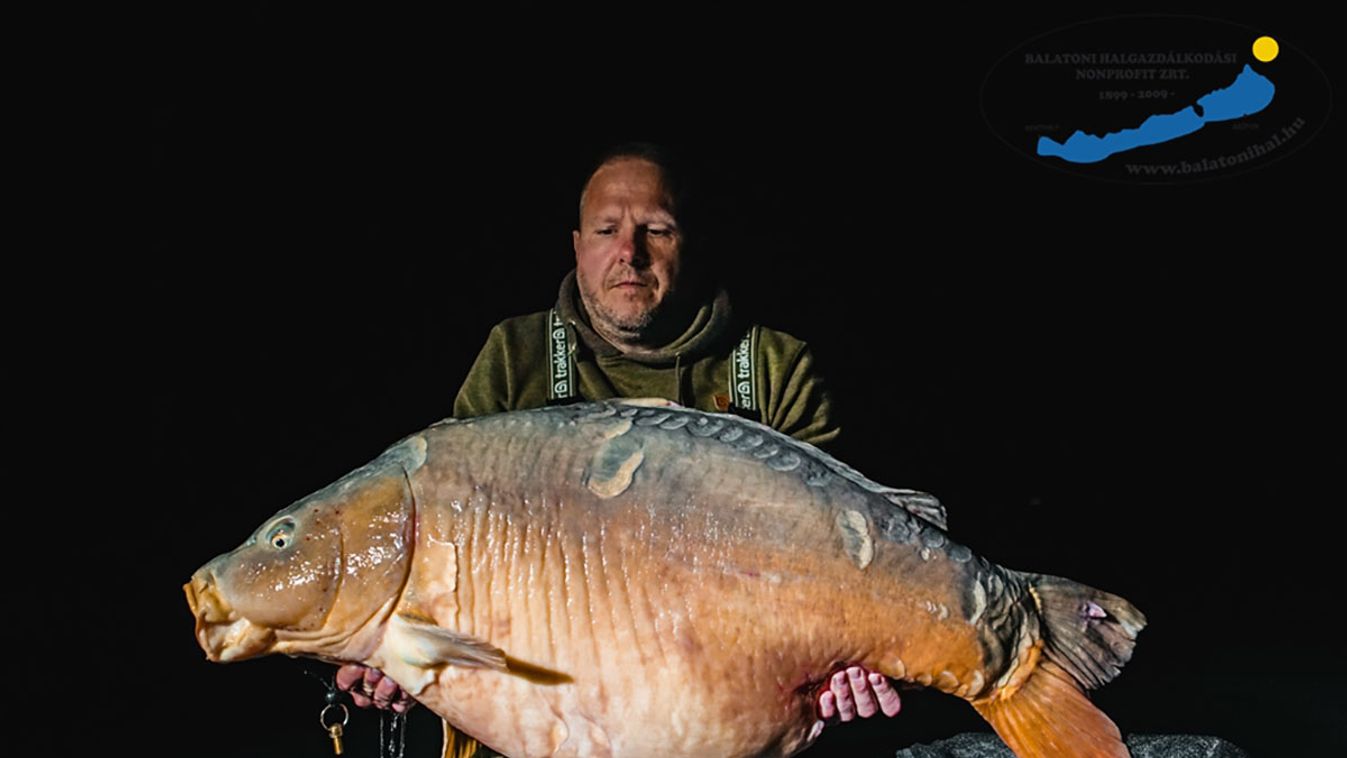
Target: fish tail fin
1088	635
457	744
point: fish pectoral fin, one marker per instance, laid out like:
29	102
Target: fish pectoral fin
537	674
424	644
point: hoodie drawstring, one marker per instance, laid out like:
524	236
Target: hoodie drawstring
678	378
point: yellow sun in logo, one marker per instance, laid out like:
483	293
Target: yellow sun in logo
1265	49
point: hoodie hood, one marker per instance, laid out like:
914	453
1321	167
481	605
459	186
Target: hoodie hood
702	334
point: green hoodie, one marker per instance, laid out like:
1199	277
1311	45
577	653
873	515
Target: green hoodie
514	369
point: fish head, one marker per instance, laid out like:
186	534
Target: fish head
314	576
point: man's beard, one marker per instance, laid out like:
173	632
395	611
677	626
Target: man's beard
635	327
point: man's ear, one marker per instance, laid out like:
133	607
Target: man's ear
575	242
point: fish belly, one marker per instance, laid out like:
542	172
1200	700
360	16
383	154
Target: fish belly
658	594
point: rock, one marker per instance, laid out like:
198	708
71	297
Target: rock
984	745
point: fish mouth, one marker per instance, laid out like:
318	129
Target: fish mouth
238	640
204	601
221	633
192	602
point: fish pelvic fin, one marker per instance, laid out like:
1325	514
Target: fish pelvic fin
424	644
1049	716
458	744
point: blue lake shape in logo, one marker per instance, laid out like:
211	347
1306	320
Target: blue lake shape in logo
1250	93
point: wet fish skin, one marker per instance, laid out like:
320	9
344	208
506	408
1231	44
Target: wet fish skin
316	578
561	560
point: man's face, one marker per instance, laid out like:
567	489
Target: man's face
628	247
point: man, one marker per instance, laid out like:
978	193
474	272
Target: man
636	319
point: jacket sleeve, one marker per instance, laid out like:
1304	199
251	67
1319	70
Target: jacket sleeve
800	404
487	388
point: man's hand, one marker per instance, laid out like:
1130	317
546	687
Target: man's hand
851	693
370	687
857	692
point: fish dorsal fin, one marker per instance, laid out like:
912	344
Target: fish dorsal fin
422	643
647	402
919	504
771	447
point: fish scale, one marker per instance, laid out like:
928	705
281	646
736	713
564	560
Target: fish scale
635	578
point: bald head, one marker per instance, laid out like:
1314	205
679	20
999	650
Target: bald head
627	167
628	249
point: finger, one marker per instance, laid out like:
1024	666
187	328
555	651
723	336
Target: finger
846	707
360	700
372	677
827	705
348	675
385	691
860	690
889	702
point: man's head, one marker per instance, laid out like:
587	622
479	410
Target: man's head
629	247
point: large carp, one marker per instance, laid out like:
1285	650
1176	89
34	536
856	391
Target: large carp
628	578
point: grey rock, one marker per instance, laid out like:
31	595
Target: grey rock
982	745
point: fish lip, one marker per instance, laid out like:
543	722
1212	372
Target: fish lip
237	640
206	604
219	630
191	598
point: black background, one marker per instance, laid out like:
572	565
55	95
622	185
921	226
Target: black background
1139	387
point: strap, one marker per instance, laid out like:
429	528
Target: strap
744	373
561	377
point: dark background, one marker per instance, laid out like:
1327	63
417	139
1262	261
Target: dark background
1139	387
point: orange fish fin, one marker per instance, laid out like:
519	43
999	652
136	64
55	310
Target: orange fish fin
1049	716
425	644
457	744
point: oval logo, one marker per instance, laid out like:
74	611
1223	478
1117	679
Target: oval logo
1156	99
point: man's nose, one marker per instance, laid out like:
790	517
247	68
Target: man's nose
631	247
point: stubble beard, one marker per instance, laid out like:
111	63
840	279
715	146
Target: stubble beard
632	328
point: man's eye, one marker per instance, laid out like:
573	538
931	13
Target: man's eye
605	232
658	231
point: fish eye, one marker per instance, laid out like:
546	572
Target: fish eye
281	535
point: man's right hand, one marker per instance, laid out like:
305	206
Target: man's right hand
370	687
857	692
